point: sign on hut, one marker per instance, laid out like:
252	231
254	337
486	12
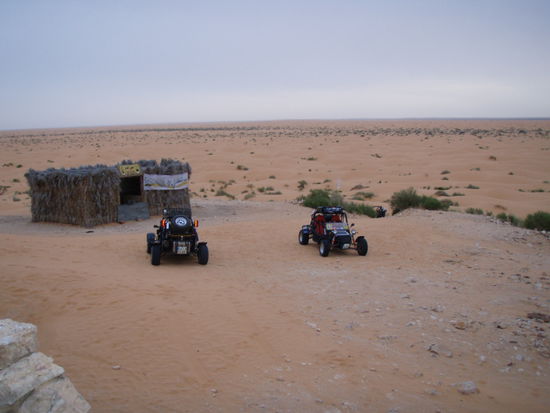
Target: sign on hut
94	195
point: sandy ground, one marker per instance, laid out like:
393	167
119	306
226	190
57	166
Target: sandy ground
269	325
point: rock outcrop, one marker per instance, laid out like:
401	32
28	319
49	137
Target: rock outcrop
29	380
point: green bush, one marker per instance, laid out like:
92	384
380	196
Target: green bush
475	211
539	220
406	198
512	219
427	202
328	197
322	197
222	192
359	209
302	184
361	196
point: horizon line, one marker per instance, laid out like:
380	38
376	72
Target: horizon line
126	125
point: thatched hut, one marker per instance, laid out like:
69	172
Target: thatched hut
94	195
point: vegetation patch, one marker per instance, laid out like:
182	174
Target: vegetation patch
539	220
362	195
328	197
223	192
408	198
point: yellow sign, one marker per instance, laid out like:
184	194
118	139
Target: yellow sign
130	170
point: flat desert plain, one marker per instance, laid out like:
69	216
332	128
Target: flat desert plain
446	313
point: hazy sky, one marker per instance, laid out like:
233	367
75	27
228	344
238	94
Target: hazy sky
82	63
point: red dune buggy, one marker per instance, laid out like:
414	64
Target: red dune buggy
330	229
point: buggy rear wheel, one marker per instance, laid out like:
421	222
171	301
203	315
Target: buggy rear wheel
202	254
362	246
150	240
324	247
303	239
155	254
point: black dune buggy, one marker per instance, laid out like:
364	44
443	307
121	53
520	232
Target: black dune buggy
330	229
176	234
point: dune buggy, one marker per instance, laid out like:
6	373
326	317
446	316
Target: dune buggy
330	229
176	234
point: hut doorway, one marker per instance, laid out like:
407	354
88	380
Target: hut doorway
132	205
131	190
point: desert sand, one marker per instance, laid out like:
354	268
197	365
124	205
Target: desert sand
442	298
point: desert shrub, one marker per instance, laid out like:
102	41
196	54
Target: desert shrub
361	196
359	209
406	198
250	195
272	177
428	202
457	194
242	168
433	204
502	216
475	211
539	220
515	221
445	172
441	193
512	219
221	192
470	186
322	197
442	188
446	203
302	184
263	189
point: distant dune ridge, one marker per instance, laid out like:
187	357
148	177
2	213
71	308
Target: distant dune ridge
448	311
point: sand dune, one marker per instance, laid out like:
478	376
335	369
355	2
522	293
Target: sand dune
268	325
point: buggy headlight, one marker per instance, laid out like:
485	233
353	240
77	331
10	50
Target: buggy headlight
353	232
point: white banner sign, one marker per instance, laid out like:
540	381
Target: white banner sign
165	182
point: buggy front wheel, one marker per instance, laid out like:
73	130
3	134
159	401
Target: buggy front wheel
155	254
150	240
303	239
202	254
362	246
324	247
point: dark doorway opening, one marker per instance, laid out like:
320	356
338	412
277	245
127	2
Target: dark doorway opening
131	190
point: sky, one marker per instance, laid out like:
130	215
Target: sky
114	62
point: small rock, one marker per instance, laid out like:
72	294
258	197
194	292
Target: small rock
117	367
467	387
460	325
500	324
438	308
440	349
